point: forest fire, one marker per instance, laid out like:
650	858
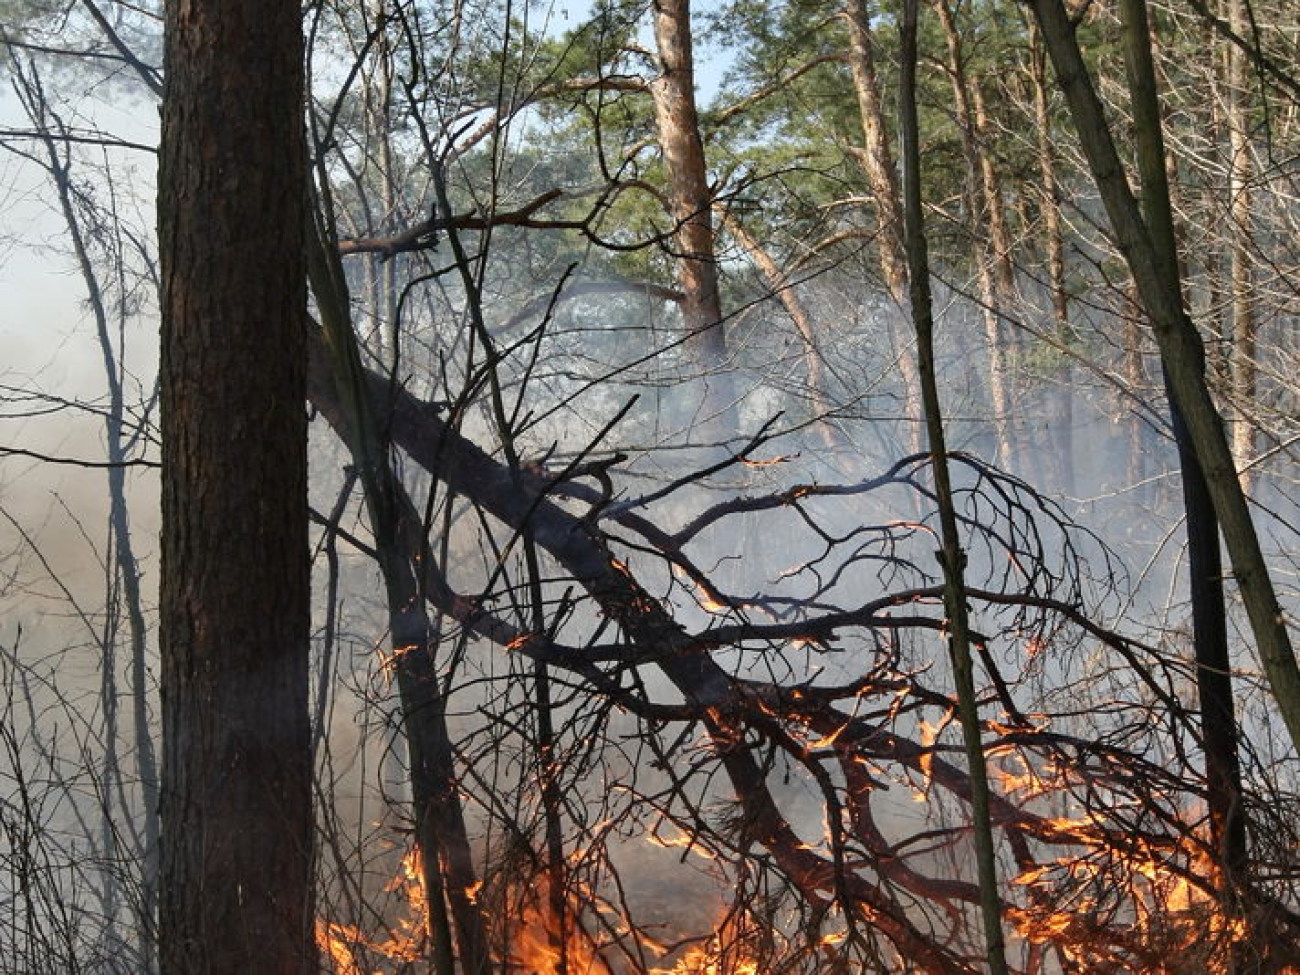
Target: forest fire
823	793
538	933
710	537
1078	906
351	951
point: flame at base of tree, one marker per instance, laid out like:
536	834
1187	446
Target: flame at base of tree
534	934
1107	902
545	931
785	738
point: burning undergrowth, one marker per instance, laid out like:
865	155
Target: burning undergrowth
757	690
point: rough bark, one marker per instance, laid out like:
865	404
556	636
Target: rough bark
236	795
691	202
877	162
877	157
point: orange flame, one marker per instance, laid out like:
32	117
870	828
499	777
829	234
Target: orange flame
545	941
770	462
346	944
699	961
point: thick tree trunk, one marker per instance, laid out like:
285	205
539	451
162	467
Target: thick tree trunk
235	625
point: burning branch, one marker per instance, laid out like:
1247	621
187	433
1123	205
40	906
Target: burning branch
1104	841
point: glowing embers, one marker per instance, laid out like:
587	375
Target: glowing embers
537	928
575	932
350	951
1145	901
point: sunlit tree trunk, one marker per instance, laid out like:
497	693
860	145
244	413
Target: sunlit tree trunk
877	161
1183	356
1245	325
1217	326
986	226
235	586
691	203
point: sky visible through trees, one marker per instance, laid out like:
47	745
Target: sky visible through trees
649	632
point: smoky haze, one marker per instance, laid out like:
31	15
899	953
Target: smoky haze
690	653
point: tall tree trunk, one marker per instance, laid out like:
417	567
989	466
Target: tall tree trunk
987	233
1062	436
1209	617
877	161
235	592
691	201
1245	325
951	556
1183	356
